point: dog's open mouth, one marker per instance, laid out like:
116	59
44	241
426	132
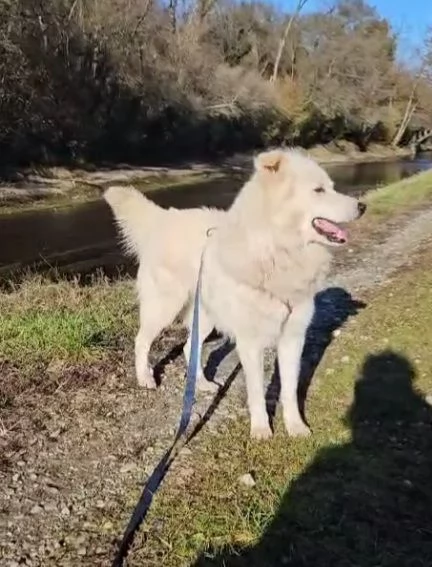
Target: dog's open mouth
330	230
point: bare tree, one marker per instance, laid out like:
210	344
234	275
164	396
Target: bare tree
300	5
119	74
410	109
172	9
424	73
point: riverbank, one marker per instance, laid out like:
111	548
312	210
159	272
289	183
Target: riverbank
363	473
77	435
29	189
61	188
39	306
337	153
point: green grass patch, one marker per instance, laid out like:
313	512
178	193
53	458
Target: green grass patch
357	493
396	197
43	321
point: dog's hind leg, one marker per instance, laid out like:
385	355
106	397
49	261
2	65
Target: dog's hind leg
205	327
157	311
252	360
290	350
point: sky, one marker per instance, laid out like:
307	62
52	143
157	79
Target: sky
410	18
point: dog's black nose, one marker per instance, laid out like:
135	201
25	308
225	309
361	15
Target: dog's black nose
361	208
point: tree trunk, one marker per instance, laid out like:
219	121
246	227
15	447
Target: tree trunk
283	39
409	111
172	9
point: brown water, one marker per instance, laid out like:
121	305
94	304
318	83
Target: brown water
82	239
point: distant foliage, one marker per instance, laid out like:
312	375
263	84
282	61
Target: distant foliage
138	80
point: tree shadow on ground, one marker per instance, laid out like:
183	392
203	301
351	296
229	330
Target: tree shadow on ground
367	503
333	307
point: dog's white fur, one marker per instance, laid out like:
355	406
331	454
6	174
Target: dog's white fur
262	267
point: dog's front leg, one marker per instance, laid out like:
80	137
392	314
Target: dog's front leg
290	349
205	327
252	360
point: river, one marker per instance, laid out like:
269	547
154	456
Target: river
81	239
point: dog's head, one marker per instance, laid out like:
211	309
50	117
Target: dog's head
301	195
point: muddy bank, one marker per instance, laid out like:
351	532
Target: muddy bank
58	187
347	152
338	153
34	188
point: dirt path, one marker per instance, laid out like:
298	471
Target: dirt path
74	457
377	263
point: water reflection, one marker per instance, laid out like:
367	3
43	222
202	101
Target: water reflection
358	178
84	238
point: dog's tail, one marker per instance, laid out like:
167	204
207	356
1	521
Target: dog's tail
133	213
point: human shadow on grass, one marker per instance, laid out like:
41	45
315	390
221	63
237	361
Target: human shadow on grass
366	503
333	307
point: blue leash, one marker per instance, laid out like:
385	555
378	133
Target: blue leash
158	474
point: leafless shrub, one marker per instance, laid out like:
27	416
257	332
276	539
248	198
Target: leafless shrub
116	79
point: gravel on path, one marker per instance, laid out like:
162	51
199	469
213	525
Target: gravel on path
73	459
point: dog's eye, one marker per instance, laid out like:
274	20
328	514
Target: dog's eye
319	190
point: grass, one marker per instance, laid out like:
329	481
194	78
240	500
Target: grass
43	321
389	206
357	493
397	197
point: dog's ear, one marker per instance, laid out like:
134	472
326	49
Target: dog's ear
270	161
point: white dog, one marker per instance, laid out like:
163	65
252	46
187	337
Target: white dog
262	266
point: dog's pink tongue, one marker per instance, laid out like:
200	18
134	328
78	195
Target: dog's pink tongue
332	229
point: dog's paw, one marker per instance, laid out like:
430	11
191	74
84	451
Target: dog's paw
146	380
261	432
205	386
297	428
